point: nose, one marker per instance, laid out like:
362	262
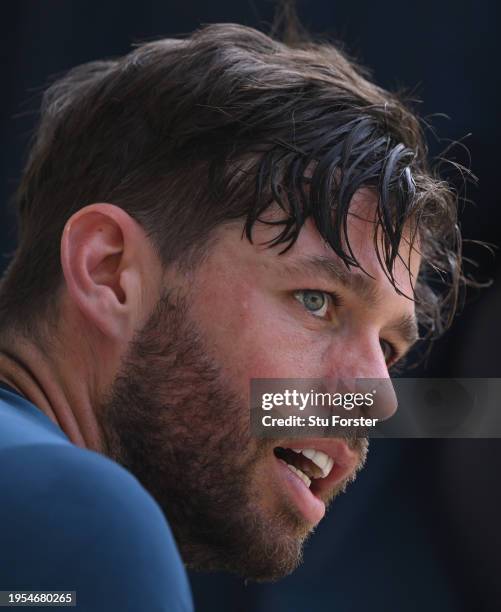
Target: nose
359	365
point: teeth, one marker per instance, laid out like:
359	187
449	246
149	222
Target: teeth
299	473
319	458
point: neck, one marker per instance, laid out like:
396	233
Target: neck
64	399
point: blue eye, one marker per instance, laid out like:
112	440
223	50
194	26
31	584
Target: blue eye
315	302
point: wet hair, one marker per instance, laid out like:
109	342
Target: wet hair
188	134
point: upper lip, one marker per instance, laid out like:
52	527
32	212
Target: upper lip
345	459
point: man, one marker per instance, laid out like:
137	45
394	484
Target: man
197	214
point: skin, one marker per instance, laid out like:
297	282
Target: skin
130	330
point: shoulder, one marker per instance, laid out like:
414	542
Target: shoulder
80	518
64	473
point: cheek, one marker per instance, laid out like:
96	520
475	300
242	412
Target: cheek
251	334
261	340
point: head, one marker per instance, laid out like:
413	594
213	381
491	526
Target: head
210	210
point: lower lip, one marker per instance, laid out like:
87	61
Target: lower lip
311	508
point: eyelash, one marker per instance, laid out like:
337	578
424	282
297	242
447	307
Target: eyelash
334	297
394	353
337	301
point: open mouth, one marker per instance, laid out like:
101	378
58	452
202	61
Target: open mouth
309	464
310	475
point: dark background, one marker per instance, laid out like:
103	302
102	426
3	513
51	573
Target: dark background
419	529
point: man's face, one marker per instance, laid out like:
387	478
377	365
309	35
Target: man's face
178	413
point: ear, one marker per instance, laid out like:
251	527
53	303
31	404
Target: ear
108	262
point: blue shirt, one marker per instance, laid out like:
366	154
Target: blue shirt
73	520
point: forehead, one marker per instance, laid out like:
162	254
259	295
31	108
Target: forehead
361	224
241	276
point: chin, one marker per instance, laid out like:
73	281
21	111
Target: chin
274	564
265	547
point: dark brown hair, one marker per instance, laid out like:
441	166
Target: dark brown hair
186	134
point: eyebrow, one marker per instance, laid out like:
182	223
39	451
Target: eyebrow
358	283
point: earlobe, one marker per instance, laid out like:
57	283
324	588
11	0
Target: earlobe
99	267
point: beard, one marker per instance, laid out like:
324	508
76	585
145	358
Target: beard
173	420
